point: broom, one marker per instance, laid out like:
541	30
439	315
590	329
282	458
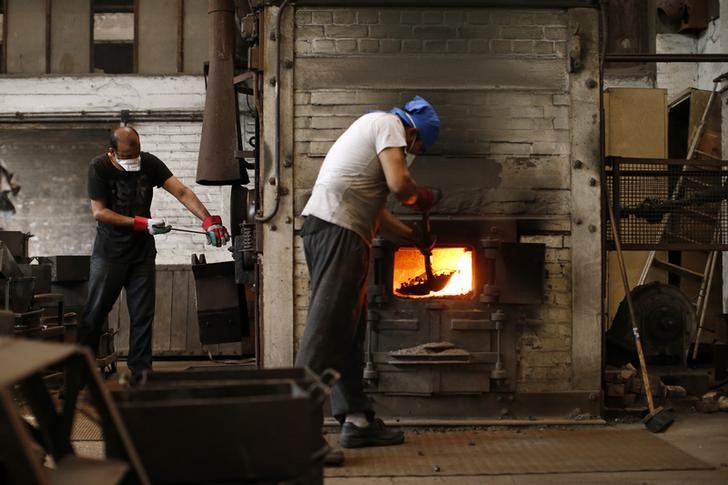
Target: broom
659	418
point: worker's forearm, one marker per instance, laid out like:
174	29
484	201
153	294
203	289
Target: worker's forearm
392	226
399	180
406	191
194	205
107	216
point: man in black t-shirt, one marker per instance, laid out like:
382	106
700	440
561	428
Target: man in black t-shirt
120	186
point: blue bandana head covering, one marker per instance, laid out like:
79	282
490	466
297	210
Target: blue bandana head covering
420	114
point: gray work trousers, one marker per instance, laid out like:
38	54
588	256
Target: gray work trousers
338	264
106	280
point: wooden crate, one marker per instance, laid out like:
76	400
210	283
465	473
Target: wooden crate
175	332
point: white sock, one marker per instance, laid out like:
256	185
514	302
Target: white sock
357	419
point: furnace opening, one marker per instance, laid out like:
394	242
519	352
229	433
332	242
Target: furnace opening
409	269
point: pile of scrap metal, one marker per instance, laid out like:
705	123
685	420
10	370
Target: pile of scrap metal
685	389
624	388
211	425
20	283
713	401
41	297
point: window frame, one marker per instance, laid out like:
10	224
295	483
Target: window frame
135	41
4	37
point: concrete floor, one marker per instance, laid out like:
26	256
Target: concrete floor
704	436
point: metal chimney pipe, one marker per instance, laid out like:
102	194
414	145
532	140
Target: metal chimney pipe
217	163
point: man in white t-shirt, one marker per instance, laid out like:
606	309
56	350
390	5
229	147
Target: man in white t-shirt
346	209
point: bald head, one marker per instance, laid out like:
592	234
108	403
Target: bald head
125	142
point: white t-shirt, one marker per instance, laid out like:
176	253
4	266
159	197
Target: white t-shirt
351	189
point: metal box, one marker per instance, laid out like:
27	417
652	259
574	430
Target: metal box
69	269
17	243
221	303
202	430
43	274
8	267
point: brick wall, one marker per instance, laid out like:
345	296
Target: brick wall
440	31
498	79
175	142
177	145
544	362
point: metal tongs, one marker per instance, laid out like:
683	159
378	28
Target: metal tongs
192	231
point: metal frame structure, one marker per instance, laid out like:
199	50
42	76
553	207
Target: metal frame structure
22	363
654	212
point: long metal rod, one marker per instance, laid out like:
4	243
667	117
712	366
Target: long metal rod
703	309
633	319
703	283
99	116
188	230
666	57
705	289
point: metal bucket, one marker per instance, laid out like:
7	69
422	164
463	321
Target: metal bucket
221	304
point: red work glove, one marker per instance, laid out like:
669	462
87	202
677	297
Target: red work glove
217	235
152	226
426	199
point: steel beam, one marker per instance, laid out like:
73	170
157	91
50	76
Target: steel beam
666	58
445	3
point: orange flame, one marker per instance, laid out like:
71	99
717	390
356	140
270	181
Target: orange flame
410	264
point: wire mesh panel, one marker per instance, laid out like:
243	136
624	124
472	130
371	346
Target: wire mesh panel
669	204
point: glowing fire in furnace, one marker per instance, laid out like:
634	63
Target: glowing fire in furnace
409	267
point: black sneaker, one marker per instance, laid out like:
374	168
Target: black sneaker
334	457
140	378
376	434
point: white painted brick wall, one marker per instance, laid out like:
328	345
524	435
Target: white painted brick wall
101	93
176	143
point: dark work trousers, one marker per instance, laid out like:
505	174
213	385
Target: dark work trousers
338	263
105	283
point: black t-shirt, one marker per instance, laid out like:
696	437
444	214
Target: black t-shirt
129	194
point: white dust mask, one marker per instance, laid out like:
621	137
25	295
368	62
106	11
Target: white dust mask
130	164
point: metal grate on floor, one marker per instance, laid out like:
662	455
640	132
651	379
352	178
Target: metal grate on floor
85	429
517	452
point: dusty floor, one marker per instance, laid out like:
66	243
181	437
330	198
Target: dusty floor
702	436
